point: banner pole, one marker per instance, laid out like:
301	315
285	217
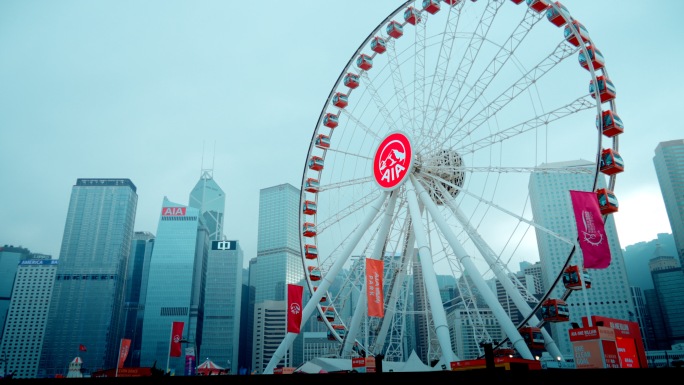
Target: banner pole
168	356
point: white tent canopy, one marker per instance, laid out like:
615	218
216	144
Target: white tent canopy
319	365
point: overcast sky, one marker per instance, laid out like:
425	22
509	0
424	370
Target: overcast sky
155	90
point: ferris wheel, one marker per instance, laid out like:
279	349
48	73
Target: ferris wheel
421	158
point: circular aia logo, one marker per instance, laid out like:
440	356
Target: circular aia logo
392	161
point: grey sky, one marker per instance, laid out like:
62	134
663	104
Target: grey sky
146	90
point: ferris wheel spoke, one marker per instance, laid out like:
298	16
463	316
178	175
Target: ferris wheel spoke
344	184
580	104
344	212
562	52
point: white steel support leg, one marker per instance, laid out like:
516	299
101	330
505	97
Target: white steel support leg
489	297
327	281
502	276
429	278
360	309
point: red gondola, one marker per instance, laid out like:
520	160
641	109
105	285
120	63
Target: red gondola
351	80
558	17
412	16
555	310
328	312
607	201
538	5
309	230
310	251
595	56
606	89
533	337
431	6
378	44
572	280
340	100
570	36
452	2
517	1
316	163
341	331
330	120
309	208
611	124
611	162
312	185
322	141
364	62
395	29
314	273
504	352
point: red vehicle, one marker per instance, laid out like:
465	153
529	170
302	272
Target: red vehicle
572	280
431	6
312	185
316	163
611	124
611	162
378	44
555	310
395	29
533	337
351	80
323	141
557	17
310	251
595	56
538	5
340	100
309	207
570	35
364	62
607	201
309	229
412	16
606	89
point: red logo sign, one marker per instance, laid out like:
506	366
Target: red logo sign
392	161
173	211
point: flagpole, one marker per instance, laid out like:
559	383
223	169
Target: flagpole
168	356
118	358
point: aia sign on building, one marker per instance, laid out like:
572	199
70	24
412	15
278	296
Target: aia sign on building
393	160
173	211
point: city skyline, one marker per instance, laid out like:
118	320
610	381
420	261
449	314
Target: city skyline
156	94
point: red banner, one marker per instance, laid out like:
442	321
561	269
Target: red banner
123	351
176	336
294	308
590	230
374	296
82	348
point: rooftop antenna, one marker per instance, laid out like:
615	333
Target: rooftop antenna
208	173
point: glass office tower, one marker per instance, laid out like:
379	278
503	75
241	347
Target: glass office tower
208	197
88	296
669	167
175	288
610	295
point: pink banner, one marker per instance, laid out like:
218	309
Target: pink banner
590	230
294	308
123	351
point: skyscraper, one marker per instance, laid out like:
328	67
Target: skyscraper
27	315
669	167
208	197
668	283
610	294
136	290
175	287
278	263
9	261
222	304
88	296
